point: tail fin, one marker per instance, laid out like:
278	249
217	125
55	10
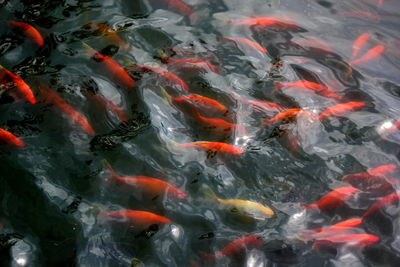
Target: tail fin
164	57
108	166
278	86
209	193
165	93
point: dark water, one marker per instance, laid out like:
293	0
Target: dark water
53	190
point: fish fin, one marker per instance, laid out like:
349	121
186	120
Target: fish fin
108	166
278	86
165	93
164	57
129	62
209	193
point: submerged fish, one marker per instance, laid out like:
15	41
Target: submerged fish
334	198
20	84
221	124
338	228
149	184
354	240
247	42
198	62
138	217
216	146
29	30
9	138
373	53
70	111
382	202
340	109
288	114
179	6
237	246
109	33
301	84
112	66
166	74
281	22
359	44
109	104
242	207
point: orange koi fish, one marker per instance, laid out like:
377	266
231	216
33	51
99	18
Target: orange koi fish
288	114
334	198
262	105
73	114
335	229
374	52
29	30
281	22
110	104
247	42
221	124
237	246
379	171
113	67
152	185
217	146
179	6
11	139
201	102
138	217
20	85
358	240
192	61
314	43
109	33
382	202
301	84
361	13
166	74
359	44
340	109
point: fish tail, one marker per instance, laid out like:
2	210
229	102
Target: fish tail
209	193
164	56
278	86
165	93
207	256
108	166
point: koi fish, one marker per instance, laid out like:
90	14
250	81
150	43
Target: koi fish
247	42
360	240
361	13
334	198
216	146
20	85
108	103
73	114
335	229
193	61
340	109
262	105
179	6
379	171
150	184
314	43
166	74
382	202
242	207
11	139
200	101
138	217
29	30
281	22
301	84
237	246
359	44
113	67
110	33
374	52
288	114
221	124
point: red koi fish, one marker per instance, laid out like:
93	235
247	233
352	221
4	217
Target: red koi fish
288	114
29	30
357	240
247	42
262	105
361	13
138	217
394	127
335	229
334	198
340	109
382	202
217	146
110	104
152	185
166	74
221	124
73	114
192	61
281	22
11	139
300	84
314	43
201	102
373	180
359	44
179	6
20	85
237	246
113	67
373	53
